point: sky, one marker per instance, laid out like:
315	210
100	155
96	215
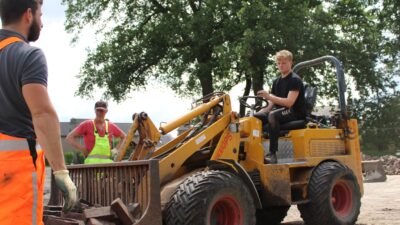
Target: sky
64	62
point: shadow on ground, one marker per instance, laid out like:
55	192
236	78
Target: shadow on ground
294	223
302	223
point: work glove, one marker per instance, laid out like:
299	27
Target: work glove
114	153
68	188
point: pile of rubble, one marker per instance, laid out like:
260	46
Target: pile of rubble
390	163
115	214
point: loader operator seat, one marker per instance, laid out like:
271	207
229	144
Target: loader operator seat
310	94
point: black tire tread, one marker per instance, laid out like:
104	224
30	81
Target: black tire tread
183	207
317	211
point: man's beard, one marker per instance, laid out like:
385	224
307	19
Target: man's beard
34	31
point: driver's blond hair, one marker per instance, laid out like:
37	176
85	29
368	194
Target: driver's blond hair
284	54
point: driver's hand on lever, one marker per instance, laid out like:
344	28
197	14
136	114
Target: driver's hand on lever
264	94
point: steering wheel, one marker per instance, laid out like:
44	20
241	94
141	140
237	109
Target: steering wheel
259	102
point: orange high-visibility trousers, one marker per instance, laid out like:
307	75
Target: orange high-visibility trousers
21	184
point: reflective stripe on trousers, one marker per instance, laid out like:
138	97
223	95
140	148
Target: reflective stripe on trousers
21	184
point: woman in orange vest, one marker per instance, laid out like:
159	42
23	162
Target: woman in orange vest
27	118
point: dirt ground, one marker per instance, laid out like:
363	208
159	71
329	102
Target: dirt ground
380	205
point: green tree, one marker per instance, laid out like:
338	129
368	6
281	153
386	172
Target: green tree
378	109
380	124
198	46
345	29
182	43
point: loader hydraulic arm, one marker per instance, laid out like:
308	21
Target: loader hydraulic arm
212	117
148	138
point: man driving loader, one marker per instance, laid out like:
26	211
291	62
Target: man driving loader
286	101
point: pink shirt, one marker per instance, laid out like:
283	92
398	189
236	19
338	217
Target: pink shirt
86	130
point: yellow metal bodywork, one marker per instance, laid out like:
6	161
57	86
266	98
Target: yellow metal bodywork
148	138
311	146
228	146
173	162
166	128
127	141
241	140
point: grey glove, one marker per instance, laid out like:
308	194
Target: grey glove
68	188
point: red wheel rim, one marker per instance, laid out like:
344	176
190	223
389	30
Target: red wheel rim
226	211
342	198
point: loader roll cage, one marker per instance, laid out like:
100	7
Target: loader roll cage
341	85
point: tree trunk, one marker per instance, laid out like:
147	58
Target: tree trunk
204	72
205	77
258	79
246	92
258	67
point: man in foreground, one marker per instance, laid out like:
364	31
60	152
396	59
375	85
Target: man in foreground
27	118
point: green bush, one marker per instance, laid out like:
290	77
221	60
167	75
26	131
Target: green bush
78	158
68	157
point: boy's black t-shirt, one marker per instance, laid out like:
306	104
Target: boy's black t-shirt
292	82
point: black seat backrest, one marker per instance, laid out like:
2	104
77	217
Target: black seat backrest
310	94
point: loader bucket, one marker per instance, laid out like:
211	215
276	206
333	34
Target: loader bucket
134	182
373	171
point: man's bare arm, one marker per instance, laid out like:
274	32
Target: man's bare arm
71	138
286	102
45	123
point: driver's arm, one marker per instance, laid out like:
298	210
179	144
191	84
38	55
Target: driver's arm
286	102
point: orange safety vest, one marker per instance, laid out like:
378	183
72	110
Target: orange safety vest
21	183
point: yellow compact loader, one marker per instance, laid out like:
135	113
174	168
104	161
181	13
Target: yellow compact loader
215	173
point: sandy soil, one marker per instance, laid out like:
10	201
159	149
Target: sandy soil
380	205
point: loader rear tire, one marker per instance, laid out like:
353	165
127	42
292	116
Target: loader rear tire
211	198
334	196
271	215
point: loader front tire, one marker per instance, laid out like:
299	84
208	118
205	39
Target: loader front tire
334	196
211	198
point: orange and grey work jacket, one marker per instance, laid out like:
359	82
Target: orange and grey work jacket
21	180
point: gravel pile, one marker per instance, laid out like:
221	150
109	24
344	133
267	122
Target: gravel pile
391	164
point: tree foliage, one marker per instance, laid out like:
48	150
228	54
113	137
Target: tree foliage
207	45
198	46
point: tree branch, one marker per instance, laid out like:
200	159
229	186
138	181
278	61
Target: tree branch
193	5
160	7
